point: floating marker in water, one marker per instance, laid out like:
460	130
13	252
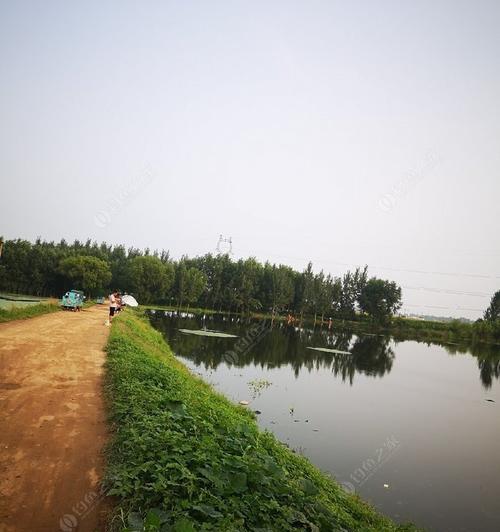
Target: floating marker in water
326	350
244	403
201	332
386	485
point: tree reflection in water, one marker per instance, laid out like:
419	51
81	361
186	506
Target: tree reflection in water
281	345
488	359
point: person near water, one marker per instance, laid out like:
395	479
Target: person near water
112	306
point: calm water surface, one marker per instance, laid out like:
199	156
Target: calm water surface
411	427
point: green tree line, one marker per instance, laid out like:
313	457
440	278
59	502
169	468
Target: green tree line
209	281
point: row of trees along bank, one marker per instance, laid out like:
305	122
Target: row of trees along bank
210	281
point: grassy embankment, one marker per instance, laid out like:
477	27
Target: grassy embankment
399	327
184	458
29	311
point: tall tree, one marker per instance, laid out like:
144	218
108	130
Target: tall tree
89	274
492	313
380	299
195	285
150	278
247	276
282	287
304	290
352	286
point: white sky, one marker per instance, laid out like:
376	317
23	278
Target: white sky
339	132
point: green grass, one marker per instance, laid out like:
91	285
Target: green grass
30	311
184	458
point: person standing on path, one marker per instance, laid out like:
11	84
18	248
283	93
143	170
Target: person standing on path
112	307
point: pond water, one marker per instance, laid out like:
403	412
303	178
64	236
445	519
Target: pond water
413	428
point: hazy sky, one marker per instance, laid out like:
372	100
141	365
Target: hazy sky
339	132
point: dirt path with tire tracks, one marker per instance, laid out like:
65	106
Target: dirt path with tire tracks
52	422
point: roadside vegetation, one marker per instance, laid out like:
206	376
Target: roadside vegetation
184	458
29	311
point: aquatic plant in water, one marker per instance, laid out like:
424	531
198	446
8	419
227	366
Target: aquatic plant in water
201	332
257	386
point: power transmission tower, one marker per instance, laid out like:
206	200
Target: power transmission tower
225	246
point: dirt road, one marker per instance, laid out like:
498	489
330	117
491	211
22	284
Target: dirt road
52	422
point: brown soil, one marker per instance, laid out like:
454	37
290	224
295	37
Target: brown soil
52	422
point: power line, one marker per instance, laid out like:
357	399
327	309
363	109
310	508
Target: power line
449	274
447	291
440	307
403	270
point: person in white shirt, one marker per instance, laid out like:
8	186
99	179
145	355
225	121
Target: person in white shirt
112	307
